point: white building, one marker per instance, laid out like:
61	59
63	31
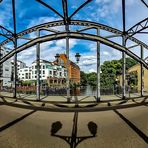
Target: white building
5	70
20	65
24	73
47	70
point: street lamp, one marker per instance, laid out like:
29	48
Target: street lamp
77	56
57	56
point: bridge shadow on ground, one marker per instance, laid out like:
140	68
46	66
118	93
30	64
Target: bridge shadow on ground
10	124
133	127
73	140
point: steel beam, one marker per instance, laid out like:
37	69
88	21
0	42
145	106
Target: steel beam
15	55
86	28
38	68
112	36
75	22
50	30
123	53
48	6
25	38
65	11
75	36
77	10
6	33
123	16
137	28
15	71
132	46
67	66
98	68
142	74
146	4
123	70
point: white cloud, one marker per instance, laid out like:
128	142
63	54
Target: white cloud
91	70
106	53
41	20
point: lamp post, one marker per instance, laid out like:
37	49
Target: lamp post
57	56
77	56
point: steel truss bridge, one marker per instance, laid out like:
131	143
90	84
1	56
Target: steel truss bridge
68	32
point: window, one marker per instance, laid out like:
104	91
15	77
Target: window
6	69
43	71
54	73
43	66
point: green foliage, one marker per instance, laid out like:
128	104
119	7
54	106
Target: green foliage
83	78
92	79
132	79
109	72
28	83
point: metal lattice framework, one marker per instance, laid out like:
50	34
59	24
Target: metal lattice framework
68	32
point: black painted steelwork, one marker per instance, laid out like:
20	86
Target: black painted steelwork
6	33
139	27
77	34
15	47
145	3
48	6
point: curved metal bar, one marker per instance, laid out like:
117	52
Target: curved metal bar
144	3
48	6
6	33
77	10
77	36
138	27
75	22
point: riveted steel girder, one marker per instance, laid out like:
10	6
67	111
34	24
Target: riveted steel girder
77	36
6	33
75	22
138	27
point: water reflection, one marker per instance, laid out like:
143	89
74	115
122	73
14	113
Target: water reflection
74	140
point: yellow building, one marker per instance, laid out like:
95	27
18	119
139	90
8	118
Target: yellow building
136	69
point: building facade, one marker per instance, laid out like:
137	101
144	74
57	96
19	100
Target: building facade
5	71
50	73
20	65
74	70
24	73
136	70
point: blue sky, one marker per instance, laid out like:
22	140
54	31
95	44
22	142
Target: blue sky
108	12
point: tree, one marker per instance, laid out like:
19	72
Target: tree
83	76
92	79
110	71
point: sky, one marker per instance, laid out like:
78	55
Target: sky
30	13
